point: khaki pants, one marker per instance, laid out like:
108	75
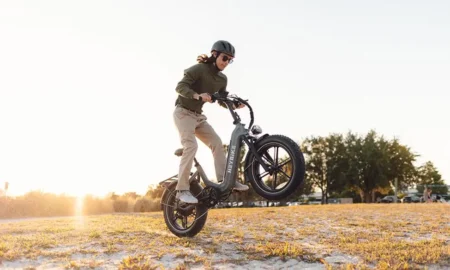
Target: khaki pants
191	125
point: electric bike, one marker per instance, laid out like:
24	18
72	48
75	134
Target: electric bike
274	166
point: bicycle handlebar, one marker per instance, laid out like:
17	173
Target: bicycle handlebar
233	100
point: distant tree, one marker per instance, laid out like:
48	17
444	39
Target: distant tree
401	165
154	191
315	149
368	164
132	195
337	164
113	196
428	175
326	164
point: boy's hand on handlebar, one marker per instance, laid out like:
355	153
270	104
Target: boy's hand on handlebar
206	97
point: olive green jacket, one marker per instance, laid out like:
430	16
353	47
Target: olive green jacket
199	78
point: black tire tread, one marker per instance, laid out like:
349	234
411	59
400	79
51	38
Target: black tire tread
299	163
200	211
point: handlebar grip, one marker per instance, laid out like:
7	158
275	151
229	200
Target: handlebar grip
216	96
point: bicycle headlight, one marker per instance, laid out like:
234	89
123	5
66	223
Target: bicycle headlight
256	130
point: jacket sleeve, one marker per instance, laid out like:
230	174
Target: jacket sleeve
191	75
224	93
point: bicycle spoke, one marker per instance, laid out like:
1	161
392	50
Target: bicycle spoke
184	222
289	177
275	165
276	156
284	163
261	175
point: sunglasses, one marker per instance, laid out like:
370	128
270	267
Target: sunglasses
226	58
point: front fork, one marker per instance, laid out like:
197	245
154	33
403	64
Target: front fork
252	150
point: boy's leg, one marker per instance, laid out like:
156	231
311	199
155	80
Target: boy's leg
185	124
210	138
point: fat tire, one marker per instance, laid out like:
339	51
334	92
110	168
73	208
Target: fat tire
298	174
200	210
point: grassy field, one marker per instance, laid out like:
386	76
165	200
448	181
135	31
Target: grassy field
358	236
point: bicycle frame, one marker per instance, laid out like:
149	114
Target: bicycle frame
239	135
232	164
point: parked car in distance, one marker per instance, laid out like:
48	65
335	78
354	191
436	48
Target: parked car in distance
411	199
441	198
389	199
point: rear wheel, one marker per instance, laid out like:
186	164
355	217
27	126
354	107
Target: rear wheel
184	220
286	167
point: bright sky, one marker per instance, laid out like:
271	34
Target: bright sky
87	88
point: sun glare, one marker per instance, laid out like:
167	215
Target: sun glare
79	219
79	206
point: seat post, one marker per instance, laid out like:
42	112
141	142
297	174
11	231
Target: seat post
196	162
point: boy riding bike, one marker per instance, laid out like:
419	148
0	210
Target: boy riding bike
194	89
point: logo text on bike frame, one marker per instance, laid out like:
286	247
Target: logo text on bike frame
231	158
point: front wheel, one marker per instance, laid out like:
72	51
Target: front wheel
286	167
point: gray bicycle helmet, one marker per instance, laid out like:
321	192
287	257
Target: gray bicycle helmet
224	47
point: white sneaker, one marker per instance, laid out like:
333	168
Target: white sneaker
186	197
240	187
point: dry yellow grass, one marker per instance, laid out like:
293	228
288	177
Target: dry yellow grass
412	236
